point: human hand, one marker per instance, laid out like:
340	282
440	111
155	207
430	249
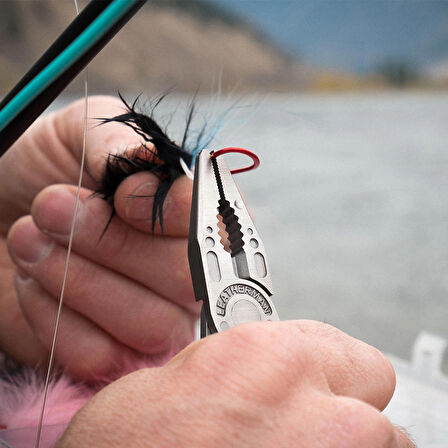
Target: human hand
290	384
128	295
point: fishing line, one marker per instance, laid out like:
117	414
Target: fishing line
69	251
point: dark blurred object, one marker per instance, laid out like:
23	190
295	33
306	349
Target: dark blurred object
399	73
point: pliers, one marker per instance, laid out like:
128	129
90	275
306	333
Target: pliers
227	259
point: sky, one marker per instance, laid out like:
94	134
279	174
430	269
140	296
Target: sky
352	35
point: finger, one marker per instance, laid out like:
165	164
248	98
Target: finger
357	424
353	423
53	145
352	367
16	337
159	263
125	309
85	350
134	203
112	138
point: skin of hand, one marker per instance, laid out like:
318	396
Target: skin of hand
127	276
289	384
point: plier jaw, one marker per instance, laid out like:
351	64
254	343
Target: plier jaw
227	258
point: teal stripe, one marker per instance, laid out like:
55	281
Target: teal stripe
89	37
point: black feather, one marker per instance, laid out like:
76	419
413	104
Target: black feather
163	160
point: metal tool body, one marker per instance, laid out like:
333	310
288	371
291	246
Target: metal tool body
233	282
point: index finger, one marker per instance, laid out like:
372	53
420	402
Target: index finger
134	200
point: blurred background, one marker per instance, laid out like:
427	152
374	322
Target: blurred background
346	102
253	45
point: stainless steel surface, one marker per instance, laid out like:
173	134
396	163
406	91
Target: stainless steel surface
236	287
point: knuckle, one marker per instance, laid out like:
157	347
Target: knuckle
263	349
176	332
385	369
359	424
356	362
317	328
258	364
78	281
29	298
76	108
365	363
273	346
261	339
386	366
93	365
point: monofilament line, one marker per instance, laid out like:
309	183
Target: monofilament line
187	170
67	259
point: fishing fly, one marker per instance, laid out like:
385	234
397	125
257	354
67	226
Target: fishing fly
158	154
